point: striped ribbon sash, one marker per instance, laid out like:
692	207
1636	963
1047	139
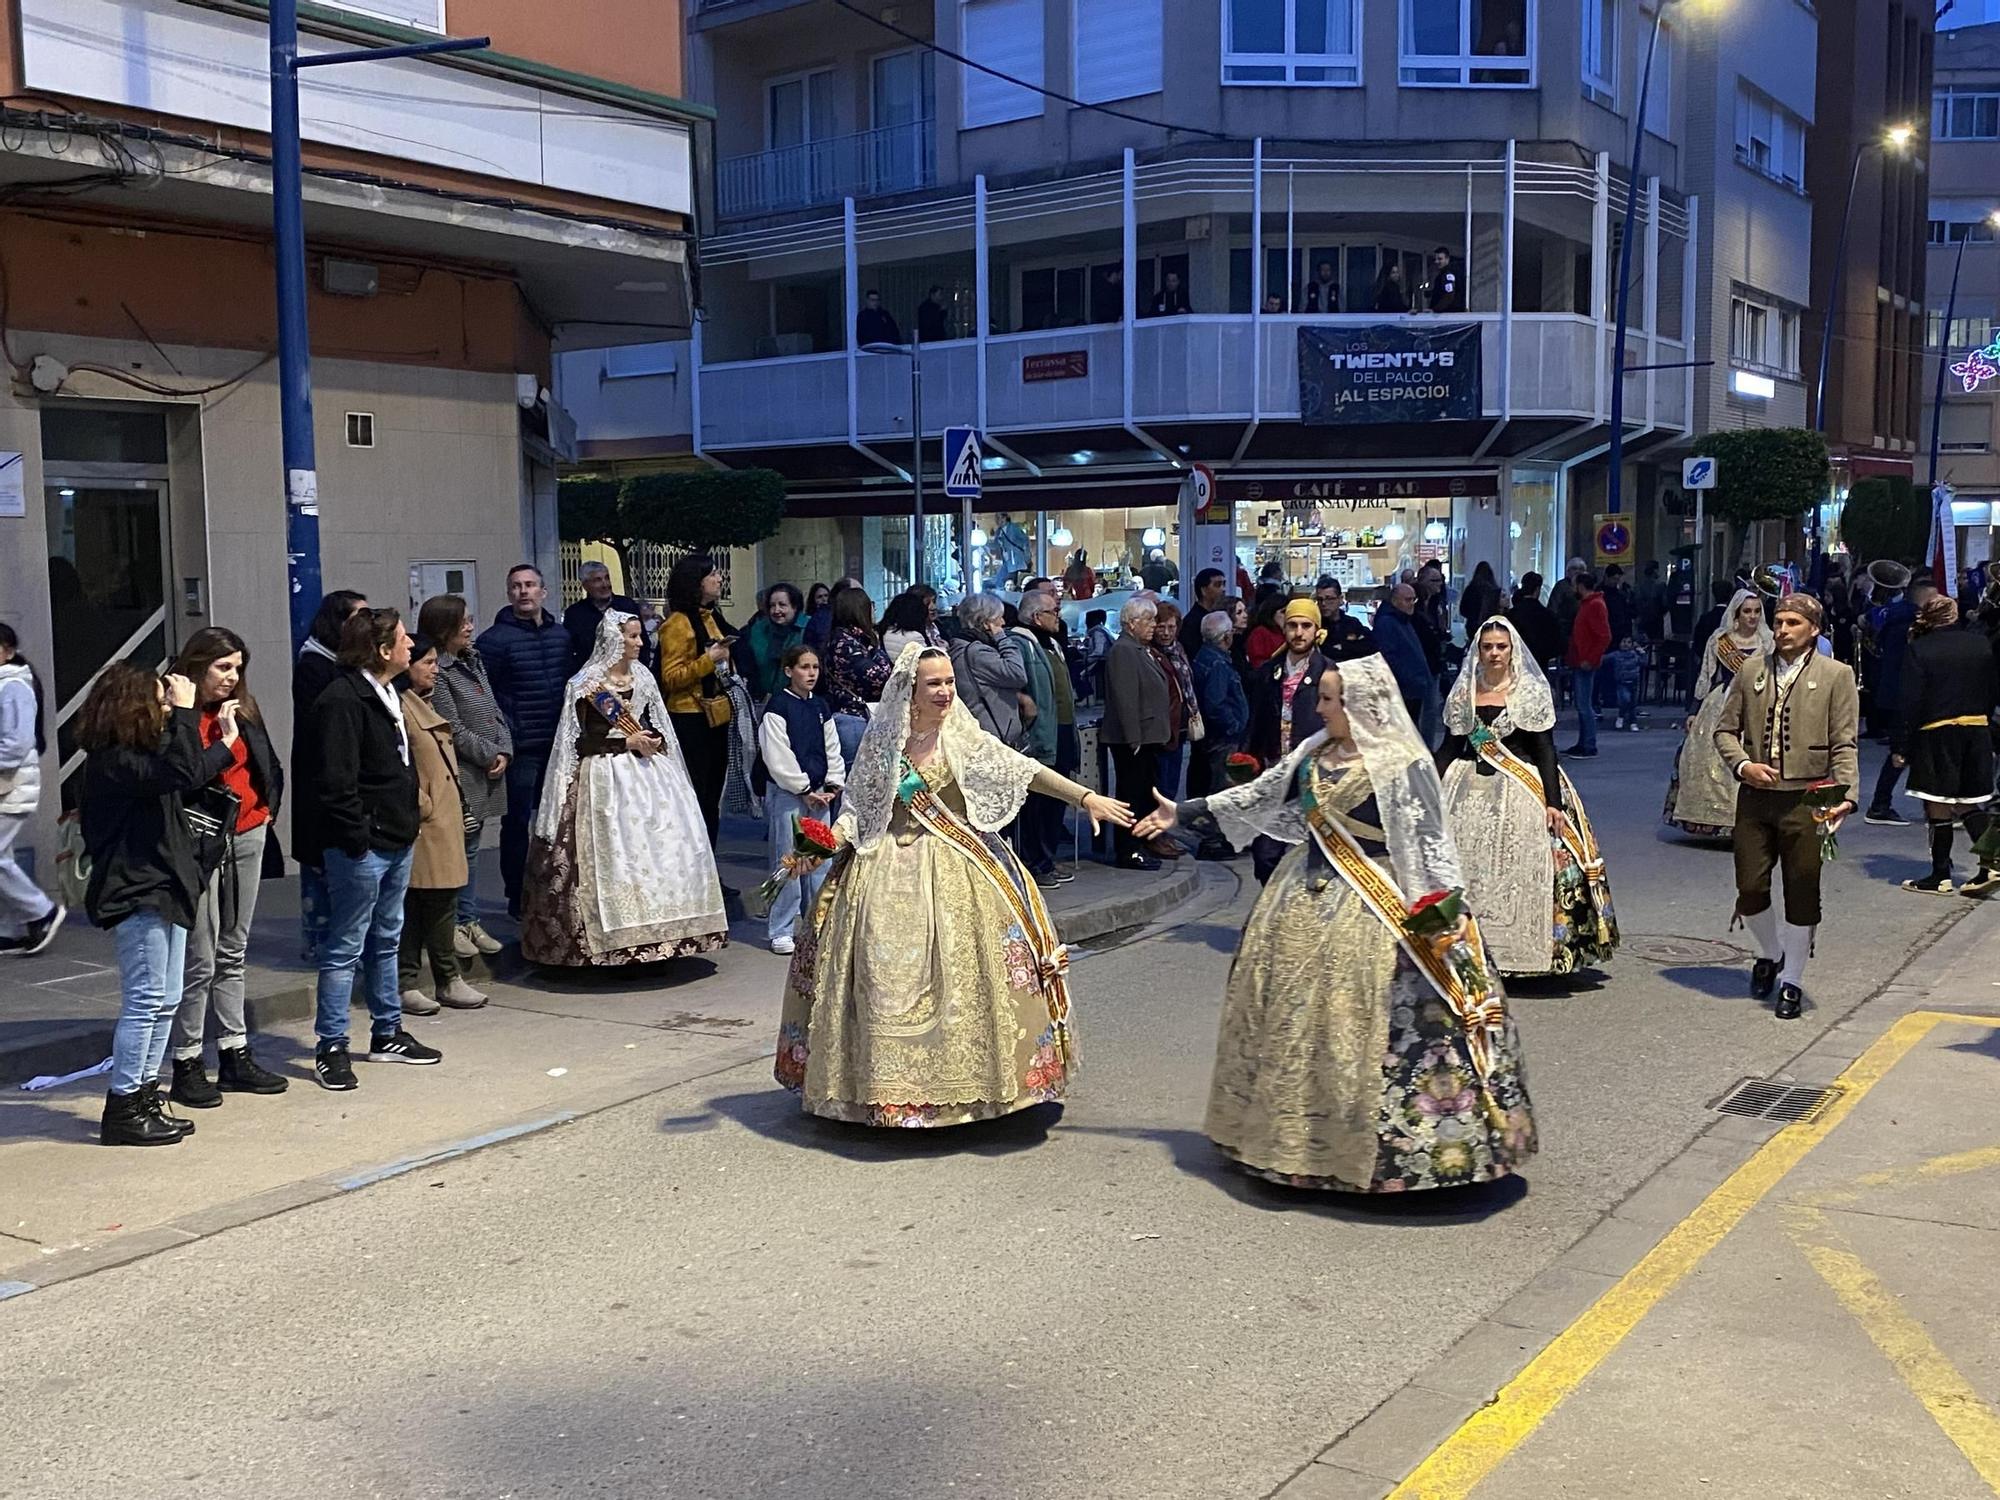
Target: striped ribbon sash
1574	829
1482	1015
1023	899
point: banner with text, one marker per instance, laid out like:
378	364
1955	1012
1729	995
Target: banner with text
1389	372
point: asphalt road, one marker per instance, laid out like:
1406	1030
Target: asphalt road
700	1294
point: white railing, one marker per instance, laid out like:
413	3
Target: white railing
893	159
1198	368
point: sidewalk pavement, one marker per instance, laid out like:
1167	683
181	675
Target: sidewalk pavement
58	1007
1787	1310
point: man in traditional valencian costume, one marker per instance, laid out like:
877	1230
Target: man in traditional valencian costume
1790	724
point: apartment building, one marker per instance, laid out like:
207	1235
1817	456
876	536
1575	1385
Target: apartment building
1964	194
467	217
1352	262
1874	79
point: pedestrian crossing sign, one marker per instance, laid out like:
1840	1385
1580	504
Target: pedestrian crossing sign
963	469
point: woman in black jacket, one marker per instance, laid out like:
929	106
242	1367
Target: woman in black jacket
1944	734
318	663
369	817
248	795
145	753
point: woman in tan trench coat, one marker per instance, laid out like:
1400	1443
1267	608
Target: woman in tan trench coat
437	866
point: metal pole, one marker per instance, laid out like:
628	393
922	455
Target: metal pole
1944	358
1833	291
917	455
295	413
1616	478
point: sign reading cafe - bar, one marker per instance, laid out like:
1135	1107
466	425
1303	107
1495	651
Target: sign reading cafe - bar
1389	372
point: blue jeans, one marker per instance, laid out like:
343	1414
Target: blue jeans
468	894
1586	710
793	895
364	934
850	728
151	952
1628	703
524	795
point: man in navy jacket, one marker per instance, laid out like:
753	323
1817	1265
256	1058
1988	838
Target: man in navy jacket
527	656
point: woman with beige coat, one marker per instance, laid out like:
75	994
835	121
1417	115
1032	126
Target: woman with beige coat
437	866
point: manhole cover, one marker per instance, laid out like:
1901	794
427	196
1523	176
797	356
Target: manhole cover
1766	1099
1662	948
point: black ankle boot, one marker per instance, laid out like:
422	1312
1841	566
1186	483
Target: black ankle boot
128	1122
192	1087
238	1073
157	1108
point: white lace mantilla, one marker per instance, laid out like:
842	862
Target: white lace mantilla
1530	703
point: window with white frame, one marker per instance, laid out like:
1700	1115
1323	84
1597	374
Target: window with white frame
1118	49
1006	35
1468	43
1952	220
1660	88
1966	333
1972	115
1770	139
424	15
1763	335
1600	51
1291	41
1965	426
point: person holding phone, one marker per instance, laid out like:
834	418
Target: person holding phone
695	646
143	743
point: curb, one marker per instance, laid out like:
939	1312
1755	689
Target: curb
66	1047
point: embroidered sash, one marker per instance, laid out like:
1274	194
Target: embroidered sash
1731	655
1483	1016
1575	831
1024	900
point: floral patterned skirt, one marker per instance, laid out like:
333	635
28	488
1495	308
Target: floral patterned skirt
1338	1067
913	999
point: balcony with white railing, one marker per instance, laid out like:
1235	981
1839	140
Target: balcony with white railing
892	159
1202	368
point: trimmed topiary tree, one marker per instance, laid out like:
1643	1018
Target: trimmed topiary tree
1885	516
588	510
1765	473
704	510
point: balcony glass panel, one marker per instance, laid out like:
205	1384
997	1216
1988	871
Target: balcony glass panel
893	159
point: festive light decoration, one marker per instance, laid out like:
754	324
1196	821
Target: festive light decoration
1978	366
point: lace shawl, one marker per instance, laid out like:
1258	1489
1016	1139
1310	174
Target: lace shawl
1530	703
992	778
1710	663
608	652
1407	791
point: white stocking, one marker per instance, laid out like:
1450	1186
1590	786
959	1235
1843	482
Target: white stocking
1798	947
1763	927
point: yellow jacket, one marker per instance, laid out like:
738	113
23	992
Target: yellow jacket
683	664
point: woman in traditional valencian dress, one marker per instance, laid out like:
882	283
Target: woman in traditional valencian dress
1354	1055
1533	871
929	987
619	870
1701	799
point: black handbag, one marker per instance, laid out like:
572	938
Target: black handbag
211	812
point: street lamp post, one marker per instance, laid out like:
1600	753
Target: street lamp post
1617	457
1944	346
913	352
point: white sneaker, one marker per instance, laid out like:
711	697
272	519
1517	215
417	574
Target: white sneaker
462	943
782	946
417	1003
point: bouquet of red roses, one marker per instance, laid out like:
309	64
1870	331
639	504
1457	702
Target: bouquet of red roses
1433	920
1242	767
812	841
1823	797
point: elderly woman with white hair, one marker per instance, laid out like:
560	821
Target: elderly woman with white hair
1136	724
991	675
1225	709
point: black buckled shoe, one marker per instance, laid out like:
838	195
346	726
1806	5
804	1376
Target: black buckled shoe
1791	1002
1763	978
192	1086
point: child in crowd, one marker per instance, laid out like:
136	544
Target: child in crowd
801	754
1623	666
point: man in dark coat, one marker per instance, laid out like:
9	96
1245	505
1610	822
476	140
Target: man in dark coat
527	656
1532	618
1210	588
1284	707
1892	642
581	619
1346	637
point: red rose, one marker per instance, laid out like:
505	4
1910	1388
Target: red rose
814	832
1431	900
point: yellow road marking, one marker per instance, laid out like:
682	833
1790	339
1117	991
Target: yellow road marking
1959	1411
1976	1160
1485	1438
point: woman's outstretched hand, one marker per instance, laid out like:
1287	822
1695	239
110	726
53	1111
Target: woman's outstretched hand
1101	809
1161	819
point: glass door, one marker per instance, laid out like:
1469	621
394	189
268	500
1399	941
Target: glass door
798	131
901	108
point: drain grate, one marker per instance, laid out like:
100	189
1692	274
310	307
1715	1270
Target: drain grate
1764	1099
1673	949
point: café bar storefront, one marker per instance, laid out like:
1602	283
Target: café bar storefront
1362	528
